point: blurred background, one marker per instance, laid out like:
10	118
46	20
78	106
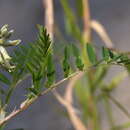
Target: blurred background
23	15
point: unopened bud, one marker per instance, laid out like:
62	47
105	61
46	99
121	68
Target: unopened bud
4	29
4	54
14	42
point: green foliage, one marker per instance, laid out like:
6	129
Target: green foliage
122	126
50	71
78	60
91	89
1	127
91	53
65	62
37	61
70	20
79	7
83	95
105	53
4	79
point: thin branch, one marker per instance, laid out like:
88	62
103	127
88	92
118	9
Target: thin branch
24	105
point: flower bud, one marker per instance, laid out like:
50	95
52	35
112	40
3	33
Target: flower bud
4	30
14	42
4	53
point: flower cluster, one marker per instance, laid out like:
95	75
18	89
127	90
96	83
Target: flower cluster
5	34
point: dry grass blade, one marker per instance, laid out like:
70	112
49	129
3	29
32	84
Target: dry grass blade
69	88
86	21
100	30
67	103
49	16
